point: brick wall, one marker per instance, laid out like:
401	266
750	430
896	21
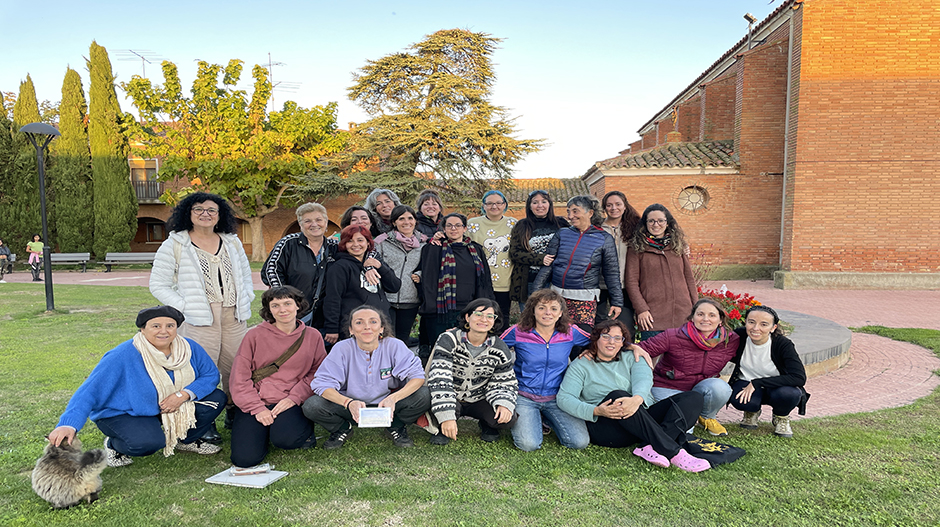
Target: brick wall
865	174
761	108
741	225
690	118
717	113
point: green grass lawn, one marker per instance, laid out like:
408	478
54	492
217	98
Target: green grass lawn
880	468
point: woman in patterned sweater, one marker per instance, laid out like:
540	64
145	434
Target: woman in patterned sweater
470	373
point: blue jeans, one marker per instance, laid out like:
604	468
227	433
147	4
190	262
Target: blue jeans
527	434
715	391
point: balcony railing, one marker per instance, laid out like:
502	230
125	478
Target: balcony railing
148	191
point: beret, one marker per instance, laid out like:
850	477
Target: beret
160	311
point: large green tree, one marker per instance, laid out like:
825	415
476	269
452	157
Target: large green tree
21	216
224	142
71	170
431	113
7	163
115	203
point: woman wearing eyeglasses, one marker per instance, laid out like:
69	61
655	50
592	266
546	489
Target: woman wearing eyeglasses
470	374
658	273
202	270
453	274
612	394
493	231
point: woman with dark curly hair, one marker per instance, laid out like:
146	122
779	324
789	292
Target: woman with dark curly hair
271	379
202	270
658	273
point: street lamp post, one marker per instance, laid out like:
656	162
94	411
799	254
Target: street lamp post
40	135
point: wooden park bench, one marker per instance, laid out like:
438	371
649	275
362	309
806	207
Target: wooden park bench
127	258
70	259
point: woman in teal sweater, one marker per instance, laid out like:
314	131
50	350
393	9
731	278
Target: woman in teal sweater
612	394
155	391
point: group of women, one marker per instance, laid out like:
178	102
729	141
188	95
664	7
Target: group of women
559	368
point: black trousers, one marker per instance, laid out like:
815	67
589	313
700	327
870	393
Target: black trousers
403	318
782	400
334	417
250	438
483	411
505	305
627	314
662	425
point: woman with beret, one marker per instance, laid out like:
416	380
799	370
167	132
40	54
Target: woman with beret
154	391
271	379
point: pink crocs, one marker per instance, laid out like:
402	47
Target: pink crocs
688	462
652	456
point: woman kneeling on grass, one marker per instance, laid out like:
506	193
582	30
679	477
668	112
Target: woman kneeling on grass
271	379
693	357
470	373
612	394
768	371
156	379
369	369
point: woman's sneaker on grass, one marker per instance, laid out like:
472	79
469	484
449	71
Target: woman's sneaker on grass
782	426
199	447
338	439
115	458
400	437
751	420
712	426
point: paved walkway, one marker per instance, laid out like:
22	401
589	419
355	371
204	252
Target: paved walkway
881	373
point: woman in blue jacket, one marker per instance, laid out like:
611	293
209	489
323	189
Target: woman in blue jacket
583	253
155	391
543	340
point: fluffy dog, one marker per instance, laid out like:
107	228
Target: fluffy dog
64	476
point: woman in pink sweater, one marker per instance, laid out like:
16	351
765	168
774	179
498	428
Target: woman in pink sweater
269	398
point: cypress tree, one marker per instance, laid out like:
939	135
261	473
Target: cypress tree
71	169
115	203
22	219
7	158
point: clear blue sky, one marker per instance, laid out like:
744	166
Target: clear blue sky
583	77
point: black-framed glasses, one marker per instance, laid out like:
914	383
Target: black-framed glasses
200	211
493	203
656	222
454	226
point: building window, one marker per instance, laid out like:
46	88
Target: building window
144	180
156	232
693	199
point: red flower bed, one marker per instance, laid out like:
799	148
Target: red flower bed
733	304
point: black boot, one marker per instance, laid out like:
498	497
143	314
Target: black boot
212	436
229	417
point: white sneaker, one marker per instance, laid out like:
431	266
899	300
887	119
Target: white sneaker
199	447
115	458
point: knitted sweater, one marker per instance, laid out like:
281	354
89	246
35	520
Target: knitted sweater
182	285
120	385
494	236
454	374
587	382
264	344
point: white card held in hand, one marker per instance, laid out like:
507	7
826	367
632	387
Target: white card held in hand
375	417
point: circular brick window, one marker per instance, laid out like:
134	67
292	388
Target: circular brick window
693	199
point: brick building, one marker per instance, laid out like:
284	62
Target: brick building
812	146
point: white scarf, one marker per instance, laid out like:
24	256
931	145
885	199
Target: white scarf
176	425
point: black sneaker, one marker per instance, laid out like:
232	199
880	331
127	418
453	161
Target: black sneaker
488	434
440	439
338	439
400	437
310	442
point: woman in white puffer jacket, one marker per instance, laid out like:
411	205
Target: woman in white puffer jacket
202	270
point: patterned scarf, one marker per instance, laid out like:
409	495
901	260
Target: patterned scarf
447	282
705	343
658	243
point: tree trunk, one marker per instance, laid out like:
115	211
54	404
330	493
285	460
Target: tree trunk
258	252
